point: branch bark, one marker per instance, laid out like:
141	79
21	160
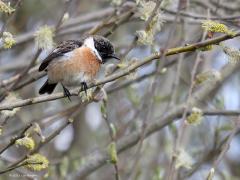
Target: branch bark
124	72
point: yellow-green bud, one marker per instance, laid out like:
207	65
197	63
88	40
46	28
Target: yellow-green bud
233	54
10	98
183	159
145	37
116	2
211	174
208	76
206	48
6	8
195	117
44	38
8	40
212	26
27	142
146	9
36	162
65	17
113	153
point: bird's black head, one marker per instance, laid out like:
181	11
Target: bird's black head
104	48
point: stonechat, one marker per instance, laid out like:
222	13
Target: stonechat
76	63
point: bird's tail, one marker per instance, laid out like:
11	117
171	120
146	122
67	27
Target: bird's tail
47	88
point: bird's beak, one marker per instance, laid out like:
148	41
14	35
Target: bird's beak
114	56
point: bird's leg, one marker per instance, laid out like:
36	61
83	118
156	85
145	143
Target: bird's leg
84	87
66	92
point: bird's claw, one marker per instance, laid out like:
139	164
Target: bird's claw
66	92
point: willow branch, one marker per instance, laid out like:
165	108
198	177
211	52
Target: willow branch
117	75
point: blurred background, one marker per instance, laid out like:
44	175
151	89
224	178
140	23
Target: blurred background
174	117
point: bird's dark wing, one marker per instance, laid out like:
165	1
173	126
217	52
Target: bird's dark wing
60	50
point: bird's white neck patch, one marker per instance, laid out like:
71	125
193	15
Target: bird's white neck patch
89	42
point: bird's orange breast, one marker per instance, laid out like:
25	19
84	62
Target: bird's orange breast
86	60
80	60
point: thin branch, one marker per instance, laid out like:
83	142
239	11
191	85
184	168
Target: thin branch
147	105
226	145
183	125
124	72
197	16
14	139
112	135
149	20
9	18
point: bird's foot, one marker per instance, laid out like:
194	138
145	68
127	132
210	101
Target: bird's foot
66	92
88	92
84	87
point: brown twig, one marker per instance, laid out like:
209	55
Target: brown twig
225	147
183	126
9	18
14	139
112	136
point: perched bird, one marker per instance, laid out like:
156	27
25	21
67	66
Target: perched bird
75	63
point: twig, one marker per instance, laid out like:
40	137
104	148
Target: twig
112	135
225	146
183	126
151	91
121	20
15	167
197	16
14	139
149	20
9	18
